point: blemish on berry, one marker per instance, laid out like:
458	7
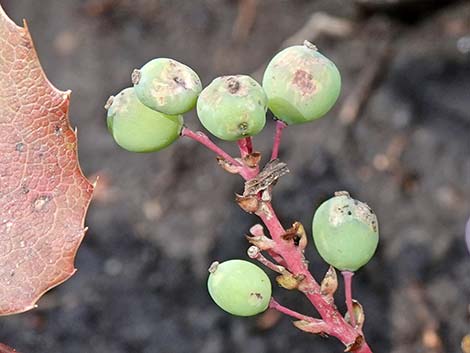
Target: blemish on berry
233	85
179	81
255	298
304	81
243	127
364	215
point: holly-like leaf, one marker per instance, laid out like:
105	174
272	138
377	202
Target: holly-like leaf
43	193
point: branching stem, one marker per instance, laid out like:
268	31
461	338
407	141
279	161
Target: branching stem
292	257
273	304
204	140
255	253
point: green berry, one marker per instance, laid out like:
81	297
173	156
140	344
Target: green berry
239	287
301	84
233	107
167	86
138	128
345	232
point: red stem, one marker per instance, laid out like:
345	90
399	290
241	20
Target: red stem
292	257
246	146
203	139
256	254
338	327
273	304
249	144
280	125
347	275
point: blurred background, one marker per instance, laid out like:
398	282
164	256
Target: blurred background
398	138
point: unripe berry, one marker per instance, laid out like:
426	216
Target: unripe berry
301	84
345	232
167	86
239	287
138	128
233	107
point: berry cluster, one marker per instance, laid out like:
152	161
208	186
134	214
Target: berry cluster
299	86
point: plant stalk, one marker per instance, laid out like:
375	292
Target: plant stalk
280	125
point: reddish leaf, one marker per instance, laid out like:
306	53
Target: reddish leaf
6	349
43	193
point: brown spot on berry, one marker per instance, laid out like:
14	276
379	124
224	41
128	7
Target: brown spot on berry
233	85
255	298
179	81
243	127
304	81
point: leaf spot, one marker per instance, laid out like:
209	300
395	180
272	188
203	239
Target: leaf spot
19	147
40	203
24	189
58	130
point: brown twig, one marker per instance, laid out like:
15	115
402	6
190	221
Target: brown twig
369	76
245	20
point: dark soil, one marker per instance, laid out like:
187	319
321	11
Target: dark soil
159	220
